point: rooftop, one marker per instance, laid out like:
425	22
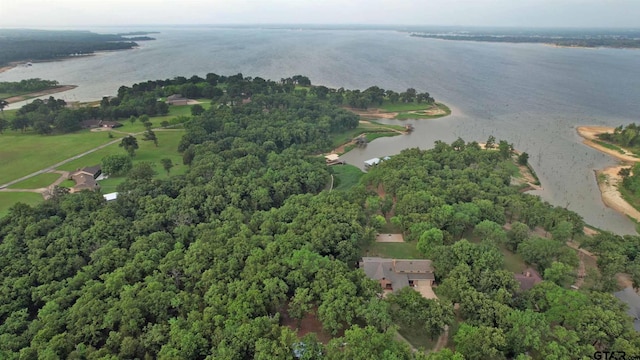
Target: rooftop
528	278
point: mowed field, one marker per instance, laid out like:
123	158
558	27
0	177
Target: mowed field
168	141
23	154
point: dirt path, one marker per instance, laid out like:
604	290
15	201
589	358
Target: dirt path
53	167
442	340
39	191
389	238
64	175
582	272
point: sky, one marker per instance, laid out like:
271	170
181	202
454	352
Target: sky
520	13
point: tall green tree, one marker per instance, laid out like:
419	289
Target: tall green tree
130	144
116	165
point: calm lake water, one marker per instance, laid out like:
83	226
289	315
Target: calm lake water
531	95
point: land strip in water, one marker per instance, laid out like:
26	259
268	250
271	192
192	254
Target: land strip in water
609	179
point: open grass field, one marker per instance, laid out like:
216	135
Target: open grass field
110	185
67	183
36	182
512	262
346	176
400	107
167	148
8	199
174	111
406	250
22	154
373	130
423	113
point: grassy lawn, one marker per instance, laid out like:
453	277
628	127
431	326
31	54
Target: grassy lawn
8	199
109	185
417	338
373	131
67	183
513	169
174	111
167	148
609	146
36	182
374	135
419	115
345	176
393	250
22	154
512	262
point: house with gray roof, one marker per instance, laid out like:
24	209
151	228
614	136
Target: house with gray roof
395	274
177	99
632	299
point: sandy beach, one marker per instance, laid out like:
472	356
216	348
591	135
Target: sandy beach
589	133
609	186
610	194
6	68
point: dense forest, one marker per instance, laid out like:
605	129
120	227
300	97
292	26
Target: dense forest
626	136
210	264
31	45
53	116
27	85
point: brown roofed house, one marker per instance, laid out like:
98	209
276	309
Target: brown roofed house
528	279
85	178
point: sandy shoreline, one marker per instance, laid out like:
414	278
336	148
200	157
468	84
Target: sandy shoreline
55	90
609	185
376	113
589	133
7	67
610	194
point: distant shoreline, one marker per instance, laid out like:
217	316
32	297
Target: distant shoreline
57	89
575	43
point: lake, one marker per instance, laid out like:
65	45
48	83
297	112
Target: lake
531	95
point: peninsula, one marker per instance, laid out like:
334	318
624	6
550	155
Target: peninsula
611	178
24	46
244	245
